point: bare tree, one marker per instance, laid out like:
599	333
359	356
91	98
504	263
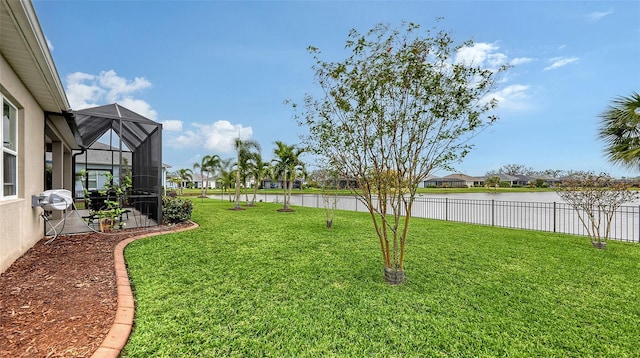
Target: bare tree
551	173
514	169
329	182
595	198
399	107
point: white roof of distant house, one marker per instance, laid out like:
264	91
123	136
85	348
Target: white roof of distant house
100	153
465	177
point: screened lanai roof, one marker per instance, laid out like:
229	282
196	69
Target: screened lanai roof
132	128
143	139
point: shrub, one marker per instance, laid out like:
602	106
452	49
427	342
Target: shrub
595	198
176	210
505	184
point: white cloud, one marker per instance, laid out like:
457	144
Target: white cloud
481	54
187	139
486	55
139	106
220	135
514	97
558	62
117	86
82	95
172	125
598	15
520	61
78	77
217	137
86	90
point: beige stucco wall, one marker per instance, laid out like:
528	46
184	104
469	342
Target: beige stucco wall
20	225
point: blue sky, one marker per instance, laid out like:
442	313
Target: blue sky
210	70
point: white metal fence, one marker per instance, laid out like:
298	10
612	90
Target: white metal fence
541	216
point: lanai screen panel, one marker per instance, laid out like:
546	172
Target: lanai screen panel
143	137
147	176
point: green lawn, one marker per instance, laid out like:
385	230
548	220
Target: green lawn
263	283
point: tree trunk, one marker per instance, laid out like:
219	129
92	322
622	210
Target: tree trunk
393	276
255	192
246	193
602	245
237	189
284	184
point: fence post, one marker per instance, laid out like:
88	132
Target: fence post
493	212
554	216
446	209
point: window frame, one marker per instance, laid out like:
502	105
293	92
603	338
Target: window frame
9	151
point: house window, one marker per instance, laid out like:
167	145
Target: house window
96	179
9	163
92	180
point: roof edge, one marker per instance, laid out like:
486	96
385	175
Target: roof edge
25	16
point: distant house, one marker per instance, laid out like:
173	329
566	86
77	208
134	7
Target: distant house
523	180
171	184
428	182
506	178
550	181
99	160
323	178
279	184
197	181
456	180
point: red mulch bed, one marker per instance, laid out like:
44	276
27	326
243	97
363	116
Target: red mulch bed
59	299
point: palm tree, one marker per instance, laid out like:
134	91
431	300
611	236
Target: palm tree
176	180
186	176
208	166
620	130
226	176
243	151
226	179
259	171
246	168
203	170
288	165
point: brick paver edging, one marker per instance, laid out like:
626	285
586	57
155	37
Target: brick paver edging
121	329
